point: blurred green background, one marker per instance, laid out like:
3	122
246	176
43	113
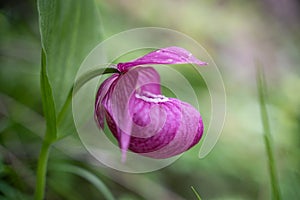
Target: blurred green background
236	34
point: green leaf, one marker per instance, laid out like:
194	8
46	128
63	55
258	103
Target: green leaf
69	30
48	103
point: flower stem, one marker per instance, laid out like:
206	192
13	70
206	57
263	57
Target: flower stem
267	135
41	171
78	84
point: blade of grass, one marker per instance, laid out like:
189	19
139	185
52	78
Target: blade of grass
9	192
261	87
95	180
196	193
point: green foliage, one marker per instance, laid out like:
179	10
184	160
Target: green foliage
69	30
48	103
96	181
261	87
10	193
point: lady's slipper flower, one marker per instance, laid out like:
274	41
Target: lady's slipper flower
139	116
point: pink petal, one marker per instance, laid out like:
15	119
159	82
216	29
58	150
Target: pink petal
101	93
168	55
182	128
147	123
157	138
117	105
187	135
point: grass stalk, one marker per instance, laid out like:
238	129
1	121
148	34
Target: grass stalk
261	87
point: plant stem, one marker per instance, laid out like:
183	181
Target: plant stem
44	154
41	171
78	84
267	135
196	193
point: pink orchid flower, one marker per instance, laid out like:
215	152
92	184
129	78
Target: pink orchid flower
139	116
